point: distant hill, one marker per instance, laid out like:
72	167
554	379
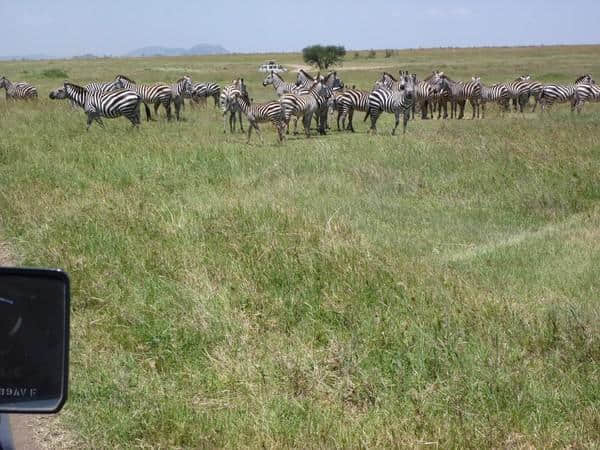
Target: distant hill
27	57
200	49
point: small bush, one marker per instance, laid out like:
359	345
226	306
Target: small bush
372	54
389	52
356	55
54	73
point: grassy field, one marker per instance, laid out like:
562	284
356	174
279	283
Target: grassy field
439	289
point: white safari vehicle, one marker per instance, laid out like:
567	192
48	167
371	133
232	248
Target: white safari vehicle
271	66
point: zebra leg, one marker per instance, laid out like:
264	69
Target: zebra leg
350	116
240	118
462	104
374	116
168	108
483	110
306	120
177	104
148	116
404	122
90	119
397	117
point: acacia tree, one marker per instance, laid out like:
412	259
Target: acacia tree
323	56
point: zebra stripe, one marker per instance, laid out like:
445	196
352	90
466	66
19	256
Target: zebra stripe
19	90
392	101
280	85
156	94
305	105
260	112
201	91
229	105
497	93
181	88
349	101
120	102
586	92
562	93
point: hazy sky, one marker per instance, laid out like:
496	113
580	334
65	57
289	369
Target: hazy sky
73	27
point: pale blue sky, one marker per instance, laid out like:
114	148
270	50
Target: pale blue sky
73	27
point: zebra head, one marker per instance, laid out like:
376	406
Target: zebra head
523	78
585	79
58	94
186	85
269	79
304	78
3	82
476	80
125	82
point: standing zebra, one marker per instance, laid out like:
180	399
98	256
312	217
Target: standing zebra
394	101
425	95
496	93
122	102
260	112
349	101
183	87
586	92
562	93
306	105
281	87
228	105
156	94
519	91
18	91
460	92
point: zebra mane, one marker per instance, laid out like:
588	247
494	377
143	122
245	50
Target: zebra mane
125	78
389	75
276	75
587	76
76	88
307	75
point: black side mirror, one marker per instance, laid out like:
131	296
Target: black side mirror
34	340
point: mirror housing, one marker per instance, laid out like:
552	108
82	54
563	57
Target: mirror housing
34	340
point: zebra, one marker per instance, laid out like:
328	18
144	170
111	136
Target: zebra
586	92
304	80
425	94
442	94
281	87
120	102
306	105
393	101
19	90
260	112
388	81
460	92
520	89
562	93
107	86
346	103
156	94
496	93
181	88
201	91
228	105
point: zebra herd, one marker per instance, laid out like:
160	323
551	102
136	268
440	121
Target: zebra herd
315	97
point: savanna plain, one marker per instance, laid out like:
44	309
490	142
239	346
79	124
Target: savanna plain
438	289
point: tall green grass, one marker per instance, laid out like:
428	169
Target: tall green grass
349	290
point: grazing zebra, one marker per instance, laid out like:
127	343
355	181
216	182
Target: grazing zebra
306	105
281	87
18	91
183	87
260	112
496	93
121	102
346	103
393	101
156	94
562	93
201	91
228	105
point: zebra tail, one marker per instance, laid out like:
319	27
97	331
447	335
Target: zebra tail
367	115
